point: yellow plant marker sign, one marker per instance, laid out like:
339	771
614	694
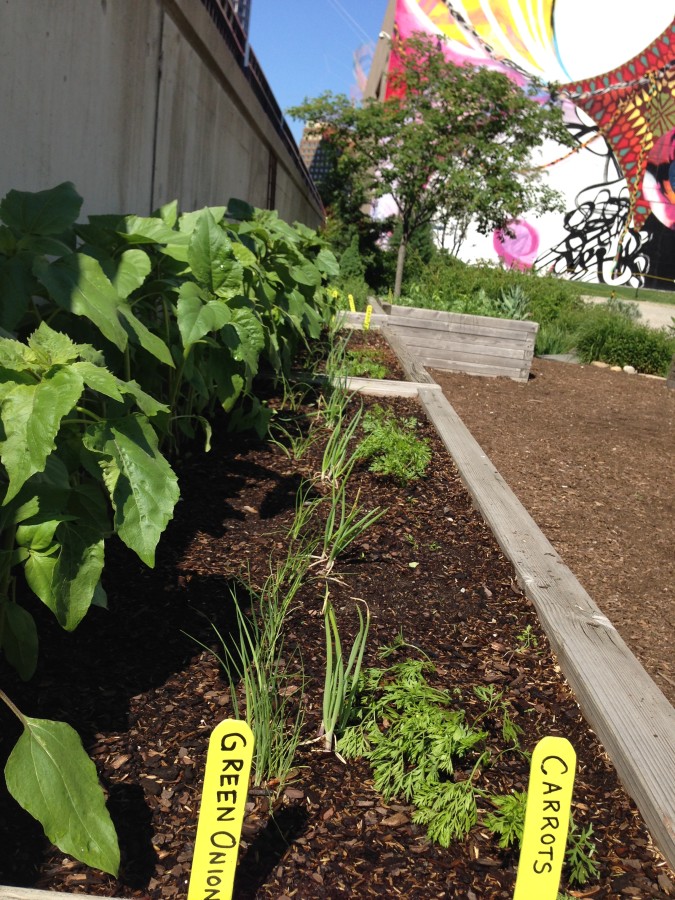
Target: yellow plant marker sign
549	797
366	318
228	767
350	300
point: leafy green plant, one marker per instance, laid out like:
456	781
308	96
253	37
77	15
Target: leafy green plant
617	340
621	307
507	822
365	364
554	338
513	303
118	337
579	854
527	639
393	447
508	819
416	739
341	681
73	434
424	750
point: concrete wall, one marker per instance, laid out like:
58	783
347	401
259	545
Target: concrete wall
137	102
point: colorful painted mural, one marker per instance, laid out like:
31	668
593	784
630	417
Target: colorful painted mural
618	94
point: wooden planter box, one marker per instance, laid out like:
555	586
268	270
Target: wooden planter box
477	345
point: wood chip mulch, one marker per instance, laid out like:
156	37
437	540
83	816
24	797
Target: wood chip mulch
144	696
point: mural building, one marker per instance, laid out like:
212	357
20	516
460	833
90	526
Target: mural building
612	67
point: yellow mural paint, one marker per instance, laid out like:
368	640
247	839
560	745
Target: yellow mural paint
547	816
228	768
350	300
366	318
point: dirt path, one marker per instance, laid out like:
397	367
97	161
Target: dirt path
590	454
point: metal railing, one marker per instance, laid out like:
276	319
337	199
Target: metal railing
225	19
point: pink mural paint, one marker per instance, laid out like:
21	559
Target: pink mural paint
411	19
520	250
658	186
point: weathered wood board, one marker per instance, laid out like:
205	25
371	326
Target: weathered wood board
462	343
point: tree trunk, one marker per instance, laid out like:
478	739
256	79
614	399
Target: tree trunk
400	262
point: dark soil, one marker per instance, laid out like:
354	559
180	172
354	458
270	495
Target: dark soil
145	697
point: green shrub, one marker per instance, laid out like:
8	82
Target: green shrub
554	338
488	289
351	264
617	340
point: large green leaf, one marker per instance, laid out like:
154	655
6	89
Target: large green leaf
65	576
42	245
79	284
327	263
188	220
42	212
240	209
133	267
250	337
148	341
145	402
142	485
52	348
146	230
31	416
244	255
225	373
197	315
49	775
211	259
168	213
66	554
14	356
98	379
19	638
306	273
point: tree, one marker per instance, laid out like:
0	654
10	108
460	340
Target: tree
450	140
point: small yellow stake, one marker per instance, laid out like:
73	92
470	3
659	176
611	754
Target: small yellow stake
228	767
366	318
350	300
547	816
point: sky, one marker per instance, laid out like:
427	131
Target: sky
306	47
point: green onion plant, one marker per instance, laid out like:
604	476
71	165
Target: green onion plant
341	682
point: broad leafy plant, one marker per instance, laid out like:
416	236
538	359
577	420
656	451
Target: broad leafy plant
117	337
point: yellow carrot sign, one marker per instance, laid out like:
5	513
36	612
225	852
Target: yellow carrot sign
350	300
228	767
366	318
549	798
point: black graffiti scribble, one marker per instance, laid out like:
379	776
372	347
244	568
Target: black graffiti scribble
593	229
595	226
